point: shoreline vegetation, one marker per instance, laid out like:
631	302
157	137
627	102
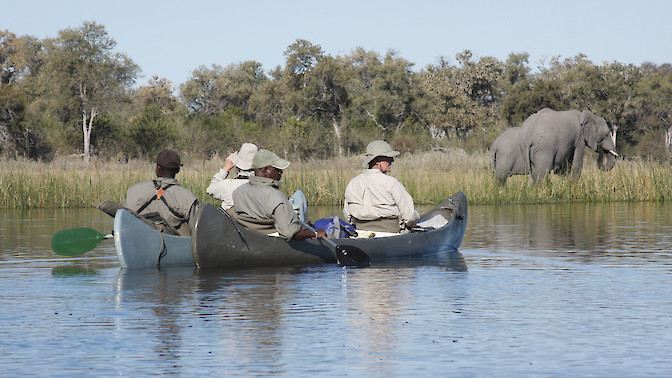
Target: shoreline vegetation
430	177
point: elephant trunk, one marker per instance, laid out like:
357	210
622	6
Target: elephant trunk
606	160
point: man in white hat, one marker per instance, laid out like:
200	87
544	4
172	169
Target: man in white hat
375	201
229	179
261	206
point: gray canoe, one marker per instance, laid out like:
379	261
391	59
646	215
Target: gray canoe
218	241
140	246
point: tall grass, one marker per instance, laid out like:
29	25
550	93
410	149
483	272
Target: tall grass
430	177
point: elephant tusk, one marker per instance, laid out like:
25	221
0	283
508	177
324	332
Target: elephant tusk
613	153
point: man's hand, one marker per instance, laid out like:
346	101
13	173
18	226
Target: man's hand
307	234
228	163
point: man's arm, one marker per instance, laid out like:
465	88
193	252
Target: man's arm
191	216
404	203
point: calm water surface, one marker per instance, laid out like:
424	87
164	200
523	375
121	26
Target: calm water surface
544	290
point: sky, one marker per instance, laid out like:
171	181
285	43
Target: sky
172	38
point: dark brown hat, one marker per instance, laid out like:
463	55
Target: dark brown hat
168	159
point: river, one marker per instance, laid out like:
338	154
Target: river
534	290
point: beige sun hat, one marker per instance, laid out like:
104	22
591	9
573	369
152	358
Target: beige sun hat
378	148
245	155
264	158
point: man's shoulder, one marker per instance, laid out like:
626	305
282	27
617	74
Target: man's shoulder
183	191
141	185
243	188
380	176
359	177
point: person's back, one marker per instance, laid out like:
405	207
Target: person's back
163	196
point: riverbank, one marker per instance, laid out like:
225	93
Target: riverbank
430	177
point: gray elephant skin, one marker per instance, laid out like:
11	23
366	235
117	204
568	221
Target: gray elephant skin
507	155
553	141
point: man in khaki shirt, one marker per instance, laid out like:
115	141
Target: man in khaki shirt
375	201
261	206
175	204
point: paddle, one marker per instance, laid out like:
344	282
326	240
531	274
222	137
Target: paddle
346	255
76	241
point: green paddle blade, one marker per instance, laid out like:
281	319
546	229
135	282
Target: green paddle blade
75	241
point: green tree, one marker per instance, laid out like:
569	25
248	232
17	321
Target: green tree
152	131
81	74
387	89
465	97
516	69
20	57
212	90
159	92
652	103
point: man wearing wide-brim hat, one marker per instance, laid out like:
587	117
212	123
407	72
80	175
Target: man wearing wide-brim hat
375	201
261	206
236	171
163	199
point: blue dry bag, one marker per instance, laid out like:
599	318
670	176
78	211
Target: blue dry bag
336	227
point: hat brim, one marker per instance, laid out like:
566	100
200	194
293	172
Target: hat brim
240	163
368	158
280	164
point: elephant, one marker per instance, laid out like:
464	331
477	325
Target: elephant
507	156
554	141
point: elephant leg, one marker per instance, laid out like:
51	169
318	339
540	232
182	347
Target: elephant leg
563	168
577	162
540	166
501	173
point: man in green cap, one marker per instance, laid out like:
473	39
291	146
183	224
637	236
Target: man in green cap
261	206
375	201
163	199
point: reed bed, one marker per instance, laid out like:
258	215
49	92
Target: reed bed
430	177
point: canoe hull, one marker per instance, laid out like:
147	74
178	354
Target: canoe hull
220	242
140	246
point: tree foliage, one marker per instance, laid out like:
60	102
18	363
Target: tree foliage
81	77
59	92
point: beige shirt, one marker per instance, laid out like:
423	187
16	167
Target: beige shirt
260	199
180	199
373	194
221	187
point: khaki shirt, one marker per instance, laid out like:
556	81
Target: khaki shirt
373	195
221	187
260	199
180	199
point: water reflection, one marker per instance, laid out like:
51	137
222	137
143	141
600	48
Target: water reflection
392	301
68	271
589	229
163	291
26	234
256	314
578	278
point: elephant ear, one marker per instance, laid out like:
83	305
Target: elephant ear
589	126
